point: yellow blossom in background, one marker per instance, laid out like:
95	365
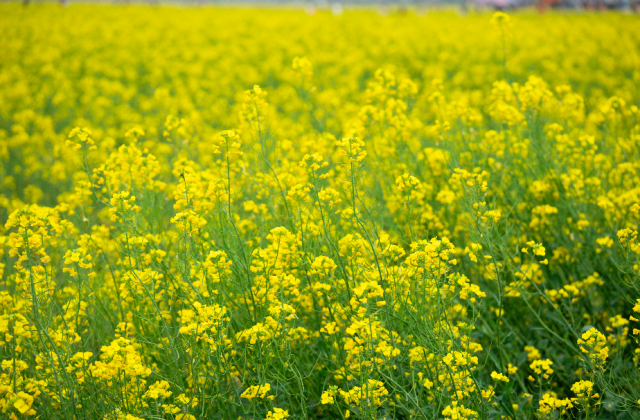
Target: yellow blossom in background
499	377
256	391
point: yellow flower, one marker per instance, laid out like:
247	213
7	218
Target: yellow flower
500	19
582	388
157	390
499	376
256	391
542	367
23	403
532	353
277	414
593	343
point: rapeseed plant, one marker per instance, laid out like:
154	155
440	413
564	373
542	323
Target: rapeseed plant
293	217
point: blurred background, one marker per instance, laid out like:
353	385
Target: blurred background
387	6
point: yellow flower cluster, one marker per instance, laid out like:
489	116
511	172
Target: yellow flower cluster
272	214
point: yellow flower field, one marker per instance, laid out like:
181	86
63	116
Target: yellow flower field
214	213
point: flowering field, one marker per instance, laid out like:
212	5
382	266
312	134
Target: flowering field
262	214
